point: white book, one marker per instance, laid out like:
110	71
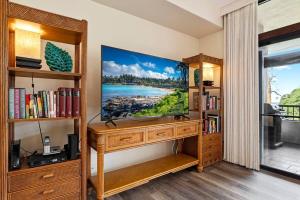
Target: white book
51	110
54	105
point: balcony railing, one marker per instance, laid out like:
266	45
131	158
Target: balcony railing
291	112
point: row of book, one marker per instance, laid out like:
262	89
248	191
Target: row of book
44	104
210	102
212	124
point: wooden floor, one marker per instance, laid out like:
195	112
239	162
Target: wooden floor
286	158
221	182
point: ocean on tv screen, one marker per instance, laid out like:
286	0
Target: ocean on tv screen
139	85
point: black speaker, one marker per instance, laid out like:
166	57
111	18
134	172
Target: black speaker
72	147
15	155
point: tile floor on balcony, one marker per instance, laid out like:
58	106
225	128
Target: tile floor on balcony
286	158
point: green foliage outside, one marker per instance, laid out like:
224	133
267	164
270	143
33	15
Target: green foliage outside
170	104
291	99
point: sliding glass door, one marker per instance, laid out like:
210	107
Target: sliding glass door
280	106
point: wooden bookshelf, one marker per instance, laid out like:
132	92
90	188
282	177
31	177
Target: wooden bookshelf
54	28
207	156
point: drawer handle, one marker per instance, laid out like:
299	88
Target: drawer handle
125	138
161	134
48	192
186	129
48	176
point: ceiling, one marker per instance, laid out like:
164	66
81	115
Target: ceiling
174	14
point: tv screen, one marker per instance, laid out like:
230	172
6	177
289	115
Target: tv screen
140	85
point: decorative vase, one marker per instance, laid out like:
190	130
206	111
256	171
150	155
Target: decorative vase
196	77
58	59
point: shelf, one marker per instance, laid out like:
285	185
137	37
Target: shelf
40	119
211	87
213	110
194	87
133	176
38	73
26	169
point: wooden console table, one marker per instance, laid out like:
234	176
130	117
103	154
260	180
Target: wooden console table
130	134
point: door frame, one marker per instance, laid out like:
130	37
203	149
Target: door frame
272	37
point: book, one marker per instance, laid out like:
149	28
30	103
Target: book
57	103
51	104
62	102
76	102
54	104
45	104
27	106
17	103
22	103
68	102
11	102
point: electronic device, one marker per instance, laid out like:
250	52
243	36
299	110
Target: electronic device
48	150
15	155
139	85
72	148
38	159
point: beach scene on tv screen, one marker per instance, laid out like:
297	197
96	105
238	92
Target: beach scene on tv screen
139	85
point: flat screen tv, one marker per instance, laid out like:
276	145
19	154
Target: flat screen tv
139	85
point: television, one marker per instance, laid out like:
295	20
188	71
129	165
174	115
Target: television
139	85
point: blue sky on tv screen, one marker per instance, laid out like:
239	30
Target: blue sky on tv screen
116	62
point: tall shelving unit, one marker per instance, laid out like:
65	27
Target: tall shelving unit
211	143
48	181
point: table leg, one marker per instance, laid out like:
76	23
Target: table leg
88	161
100	168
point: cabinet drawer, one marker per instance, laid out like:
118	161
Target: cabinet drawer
125	139
74	196
187	129
208	147
49	174
160	133
212	138
51	191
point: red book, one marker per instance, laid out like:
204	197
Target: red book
76	102
27	100
17	104
62	102
68	102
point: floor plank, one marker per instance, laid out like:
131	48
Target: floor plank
222	181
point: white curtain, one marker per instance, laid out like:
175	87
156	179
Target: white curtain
241	100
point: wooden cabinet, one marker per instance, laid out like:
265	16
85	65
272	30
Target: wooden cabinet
46	182
51	191
57	181
130	134
36	177
208	101
212	148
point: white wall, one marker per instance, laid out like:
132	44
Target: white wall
207	9
110	27
212	44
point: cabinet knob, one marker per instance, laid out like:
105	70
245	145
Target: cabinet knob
48	176
48	192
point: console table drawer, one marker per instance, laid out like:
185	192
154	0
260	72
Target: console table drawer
125	139
51	191
160	133
187	129
49	174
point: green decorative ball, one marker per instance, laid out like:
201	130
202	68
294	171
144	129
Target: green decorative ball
58	59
